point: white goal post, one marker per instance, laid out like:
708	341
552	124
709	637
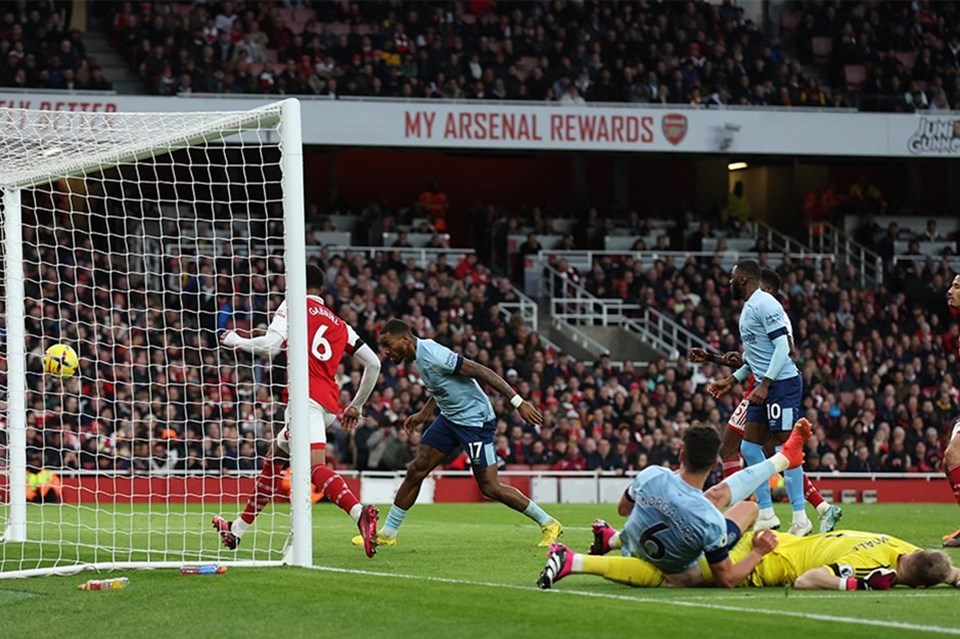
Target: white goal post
136	238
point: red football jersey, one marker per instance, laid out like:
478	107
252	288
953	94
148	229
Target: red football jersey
328	337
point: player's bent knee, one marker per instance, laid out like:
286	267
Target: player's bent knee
417	469
417	473
718	495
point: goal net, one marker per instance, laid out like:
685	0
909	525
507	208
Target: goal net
136	239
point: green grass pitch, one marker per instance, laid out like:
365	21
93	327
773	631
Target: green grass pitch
462	571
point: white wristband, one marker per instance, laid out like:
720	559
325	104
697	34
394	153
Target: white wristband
516	400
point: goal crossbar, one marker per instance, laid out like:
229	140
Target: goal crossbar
31	164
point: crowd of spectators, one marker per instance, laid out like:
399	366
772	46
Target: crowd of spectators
901	56
40	50
677	53
877	365
156	395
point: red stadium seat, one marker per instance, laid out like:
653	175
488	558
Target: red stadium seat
789	20
301	16
517	467
907	58
822	49
856	76
339	28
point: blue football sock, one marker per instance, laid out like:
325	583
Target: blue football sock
793	480
753	455
537	513
744	483
394	519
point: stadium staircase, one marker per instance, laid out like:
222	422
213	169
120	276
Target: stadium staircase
827	238
114	67
599	326
781	243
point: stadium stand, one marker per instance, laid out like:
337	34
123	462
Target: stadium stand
40	49
893	56
597	415
886	56
673	53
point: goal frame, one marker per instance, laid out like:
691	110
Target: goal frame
299	550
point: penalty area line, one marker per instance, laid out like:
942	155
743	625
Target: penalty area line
812	616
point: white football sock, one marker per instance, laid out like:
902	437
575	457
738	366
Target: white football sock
577	565
239	527
355	512
615	541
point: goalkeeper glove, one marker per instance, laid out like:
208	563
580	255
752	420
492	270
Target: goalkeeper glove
879	579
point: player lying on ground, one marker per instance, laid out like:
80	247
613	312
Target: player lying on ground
329	338
672	522
776	399
951	456
841	560
733	434
462	416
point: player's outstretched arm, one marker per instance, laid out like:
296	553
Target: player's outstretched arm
530	413
824	579
818	579
371	372
268	344
732	359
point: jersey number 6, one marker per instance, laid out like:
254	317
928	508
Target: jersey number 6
651	545
320	348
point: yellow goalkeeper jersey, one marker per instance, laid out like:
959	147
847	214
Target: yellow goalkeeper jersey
847	553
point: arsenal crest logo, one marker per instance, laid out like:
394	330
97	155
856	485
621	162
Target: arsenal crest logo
674	127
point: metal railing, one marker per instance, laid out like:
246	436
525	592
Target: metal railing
525	306
827	238
781	243
422	256
952	262
584	260
440	472
579	337
575	306
656	327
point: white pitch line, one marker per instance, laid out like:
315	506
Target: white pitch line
758	594
651	600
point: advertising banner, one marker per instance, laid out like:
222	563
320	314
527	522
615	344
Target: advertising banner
536	126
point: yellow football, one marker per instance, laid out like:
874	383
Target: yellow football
61	360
